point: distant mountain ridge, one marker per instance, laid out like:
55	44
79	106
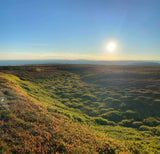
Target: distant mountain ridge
80	61
147	63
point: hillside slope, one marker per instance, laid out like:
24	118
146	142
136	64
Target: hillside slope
80	107
28	126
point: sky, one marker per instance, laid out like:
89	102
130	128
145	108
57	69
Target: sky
80	29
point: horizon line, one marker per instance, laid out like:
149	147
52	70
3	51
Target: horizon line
80	59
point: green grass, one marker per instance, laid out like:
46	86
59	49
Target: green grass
118	102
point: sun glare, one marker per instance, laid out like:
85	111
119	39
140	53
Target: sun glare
111	46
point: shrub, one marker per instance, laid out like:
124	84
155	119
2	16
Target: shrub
156	131
115	116
151	121
129	114
88	97
144	128
137	124
102	121
126	122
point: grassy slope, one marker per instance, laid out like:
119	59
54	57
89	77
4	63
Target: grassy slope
73	91
28	126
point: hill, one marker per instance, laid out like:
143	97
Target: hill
80	61
80	109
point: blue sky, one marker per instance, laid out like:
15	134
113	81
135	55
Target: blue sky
80	29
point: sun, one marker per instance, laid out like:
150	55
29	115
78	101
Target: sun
111	46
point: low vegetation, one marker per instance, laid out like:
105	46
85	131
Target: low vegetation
80	109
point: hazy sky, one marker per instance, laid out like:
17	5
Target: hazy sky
80	29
